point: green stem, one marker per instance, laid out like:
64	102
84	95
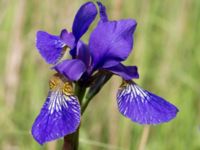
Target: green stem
71	142
84	106
94	89
80	91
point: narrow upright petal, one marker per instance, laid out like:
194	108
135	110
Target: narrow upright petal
83	53
102	11
51	47
59	116
84	17
142	106
126	72
111	42
71	69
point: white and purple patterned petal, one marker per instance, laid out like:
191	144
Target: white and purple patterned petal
142	106
49	46
59	116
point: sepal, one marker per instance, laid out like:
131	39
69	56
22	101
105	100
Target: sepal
60	114
142	106
51	47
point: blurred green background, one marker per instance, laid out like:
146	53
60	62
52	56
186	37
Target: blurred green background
167	52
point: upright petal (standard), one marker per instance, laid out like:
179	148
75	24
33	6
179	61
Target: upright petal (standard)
102	12
83	19
83	53
111	42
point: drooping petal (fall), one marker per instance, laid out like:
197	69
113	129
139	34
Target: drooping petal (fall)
142	106
72	69
111	42
126	72
59	116
51	47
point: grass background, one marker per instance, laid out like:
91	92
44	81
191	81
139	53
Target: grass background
167	52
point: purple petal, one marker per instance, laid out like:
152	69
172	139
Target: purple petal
84	17
83	53
67	38
102	11
126	72
71	69
51	47
111	42
59	116
142	106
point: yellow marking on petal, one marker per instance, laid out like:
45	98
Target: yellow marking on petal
124	84
67	88
58	82
53	83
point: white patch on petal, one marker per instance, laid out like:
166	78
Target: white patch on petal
59	44
133	91
58	100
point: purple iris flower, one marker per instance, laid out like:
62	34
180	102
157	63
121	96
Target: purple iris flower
60	115
110	44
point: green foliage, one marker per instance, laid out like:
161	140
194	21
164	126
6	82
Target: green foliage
166	50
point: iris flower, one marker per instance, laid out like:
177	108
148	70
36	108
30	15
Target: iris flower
60	114
110	44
